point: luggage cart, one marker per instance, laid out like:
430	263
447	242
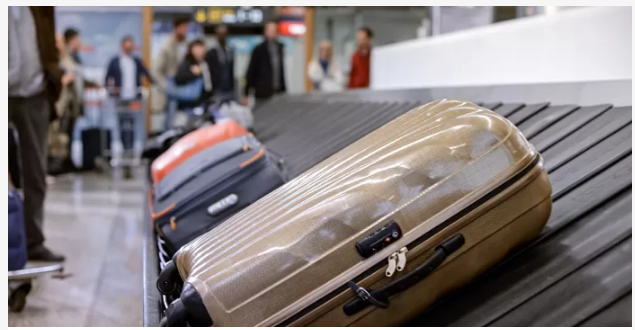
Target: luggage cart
20	282
127	115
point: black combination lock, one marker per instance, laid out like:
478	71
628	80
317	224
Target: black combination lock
378	240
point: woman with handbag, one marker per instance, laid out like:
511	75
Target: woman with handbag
194	72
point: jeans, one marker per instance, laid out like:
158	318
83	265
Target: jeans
170	113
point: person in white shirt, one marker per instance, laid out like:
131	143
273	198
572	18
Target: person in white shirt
125	71
123	80
324	72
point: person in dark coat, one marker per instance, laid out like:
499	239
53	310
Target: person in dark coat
35	82
125	70
193	67
220	59
265	74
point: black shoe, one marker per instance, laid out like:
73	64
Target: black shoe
41	253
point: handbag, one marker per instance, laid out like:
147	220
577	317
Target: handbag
188	92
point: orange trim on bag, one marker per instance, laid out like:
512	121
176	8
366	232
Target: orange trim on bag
193	143
173	223
253	159
162	213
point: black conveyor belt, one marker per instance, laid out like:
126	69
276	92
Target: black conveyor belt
578	272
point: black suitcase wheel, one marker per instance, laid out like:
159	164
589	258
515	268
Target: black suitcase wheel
175	316
17	299
169	280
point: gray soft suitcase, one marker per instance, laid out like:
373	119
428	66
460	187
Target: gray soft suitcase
211	186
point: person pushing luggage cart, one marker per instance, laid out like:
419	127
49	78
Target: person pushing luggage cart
126	116
128	99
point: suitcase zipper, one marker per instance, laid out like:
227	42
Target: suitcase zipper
379	297
372	269
392	264
401	259
396	262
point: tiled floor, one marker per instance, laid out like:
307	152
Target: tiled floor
96	222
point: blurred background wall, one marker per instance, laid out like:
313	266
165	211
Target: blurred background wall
414	46
101	30
578	44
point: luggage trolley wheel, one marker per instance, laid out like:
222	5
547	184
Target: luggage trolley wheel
23	279
17	299
169	280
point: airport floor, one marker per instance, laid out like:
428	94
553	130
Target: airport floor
97	223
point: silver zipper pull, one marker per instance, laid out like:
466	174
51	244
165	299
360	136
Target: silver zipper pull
392	264
401	258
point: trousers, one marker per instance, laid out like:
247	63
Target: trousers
30	115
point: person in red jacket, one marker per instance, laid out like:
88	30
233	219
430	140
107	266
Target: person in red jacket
359	77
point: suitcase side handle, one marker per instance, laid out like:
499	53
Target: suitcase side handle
379	297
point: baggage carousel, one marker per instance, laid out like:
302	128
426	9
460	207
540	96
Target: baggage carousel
576	273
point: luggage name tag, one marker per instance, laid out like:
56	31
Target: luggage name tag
222	205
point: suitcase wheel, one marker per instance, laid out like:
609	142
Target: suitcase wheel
175	316
17	299
169	280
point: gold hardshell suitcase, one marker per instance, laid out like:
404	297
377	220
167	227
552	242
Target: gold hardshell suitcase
375	233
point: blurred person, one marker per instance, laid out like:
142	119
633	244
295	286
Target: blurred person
324	72
125	71
35	82
220	59
359	77
193	67
68	109
265	73
171	53
123	80
71	61
73	44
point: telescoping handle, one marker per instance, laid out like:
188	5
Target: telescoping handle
379	297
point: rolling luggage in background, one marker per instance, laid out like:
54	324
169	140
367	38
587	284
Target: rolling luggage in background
211	186
193	143
235	111
92	146
375	233
17	236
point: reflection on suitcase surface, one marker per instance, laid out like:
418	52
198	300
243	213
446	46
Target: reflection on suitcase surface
441	193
